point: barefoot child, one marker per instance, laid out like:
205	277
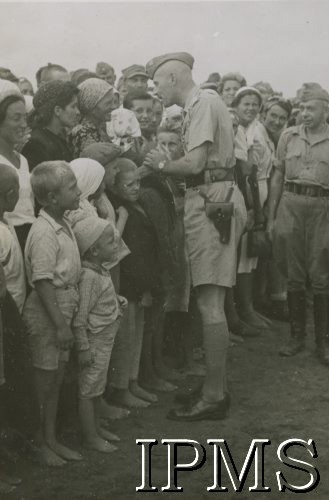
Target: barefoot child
95	325
53	269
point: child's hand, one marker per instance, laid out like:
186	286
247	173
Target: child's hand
146	300
65	338
85	358
122	213
123	302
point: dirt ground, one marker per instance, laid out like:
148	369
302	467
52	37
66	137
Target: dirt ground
272	398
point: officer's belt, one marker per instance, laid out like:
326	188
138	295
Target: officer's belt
306	190
210	176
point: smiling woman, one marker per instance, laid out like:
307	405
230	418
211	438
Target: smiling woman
12	130
96	102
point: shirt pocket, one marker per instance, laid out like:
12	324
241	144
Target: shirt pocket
293	164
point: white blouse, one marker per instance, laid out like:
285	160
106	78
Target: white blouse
24	210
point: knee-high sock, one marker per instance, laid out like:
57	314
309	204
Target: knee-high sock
215	340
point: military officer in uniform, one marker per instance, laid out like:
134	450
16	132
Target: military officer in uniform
208	167
299	223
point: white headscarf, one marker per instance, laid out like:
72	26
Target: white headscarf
89	174
8	89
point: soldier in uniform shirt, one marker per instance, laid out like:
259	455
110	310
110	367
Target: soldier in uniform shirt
299	225
208	168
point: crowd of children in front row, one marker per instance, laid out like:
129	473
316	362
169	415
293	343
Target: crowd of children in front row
73	277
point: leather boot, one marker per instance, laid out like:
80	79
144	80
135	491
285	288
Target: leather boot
297	319
320	311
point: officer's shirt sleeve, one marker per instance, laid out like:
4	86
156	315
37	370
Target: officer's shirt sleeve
203	124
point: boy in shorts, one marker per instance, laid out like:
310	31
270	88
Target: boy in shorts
95	325
53	270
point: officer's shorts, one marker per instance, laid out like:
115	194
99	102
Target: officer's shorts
212	262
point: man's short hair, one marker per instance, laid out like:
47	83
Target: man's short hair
128	101
43	73
47	177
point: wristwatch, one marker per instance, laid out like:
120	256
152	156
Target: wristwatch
162	164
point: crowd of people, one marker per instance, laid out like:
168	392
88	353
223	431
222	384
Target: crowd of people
131	209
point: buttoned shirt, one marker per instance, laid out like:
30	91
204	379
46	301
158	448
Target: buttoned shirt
303	159
51	253
98	305
207	120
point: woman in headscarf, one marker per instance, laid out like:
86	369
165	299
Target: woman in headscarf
256	151
12	131
96	101
55	112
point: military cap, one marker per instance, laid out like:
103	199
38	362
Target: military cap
264	87
103	69
154	64
311	91
134	70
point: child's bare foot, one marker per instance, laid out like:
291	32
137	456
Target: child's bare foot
99	444
126	398
112	412
107	435
49	457
139	392
6	488
64	452
158	384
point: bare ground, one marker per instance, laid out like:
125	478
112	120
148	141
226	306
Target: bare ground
272	398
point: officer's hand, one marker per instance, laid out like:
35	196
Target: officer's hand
153	158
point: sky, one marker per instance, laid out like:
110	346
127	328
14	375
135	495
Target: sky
284	42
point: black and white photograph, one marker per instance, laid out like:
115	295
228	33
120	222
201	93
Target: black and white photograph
164	249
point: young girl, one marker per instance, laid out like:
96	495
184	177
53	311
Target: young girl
95	325
139	280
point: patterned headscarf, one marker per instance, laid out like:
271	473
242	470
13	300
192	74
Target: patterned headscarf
91	92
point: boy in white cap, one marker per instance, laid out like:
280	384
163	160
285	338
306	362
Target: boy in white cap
95	325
